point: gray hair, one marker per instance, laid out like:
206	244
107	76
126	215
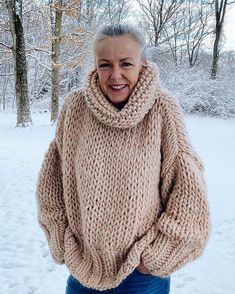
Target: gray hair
116	30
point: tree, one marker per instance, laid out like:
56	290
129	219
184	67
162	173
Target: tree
156	15
98	12
220	8
196	27
73	23
56	13
14	8
179	27
6	71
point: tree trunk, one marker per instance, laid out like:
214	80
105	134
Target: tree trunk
215	57
5	83
56	21
220	11
20	66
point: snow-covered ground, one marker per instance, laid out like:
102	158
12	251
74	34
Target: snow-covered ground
25	264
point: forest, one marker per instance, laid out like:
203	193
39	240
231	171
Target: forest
45	51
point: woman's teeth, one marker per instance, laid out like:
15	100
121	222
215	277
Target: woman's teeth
118	87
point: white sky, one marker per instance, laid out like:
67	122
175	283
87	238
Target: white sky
230	29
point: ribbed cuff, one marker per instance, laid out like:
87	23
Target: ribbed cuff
55	238
156	256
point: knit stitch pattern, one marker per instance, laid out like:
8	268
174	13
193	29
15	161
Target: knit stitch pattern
116	187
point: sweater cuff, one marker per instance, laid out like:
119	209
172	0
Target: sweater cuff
156	255
55	237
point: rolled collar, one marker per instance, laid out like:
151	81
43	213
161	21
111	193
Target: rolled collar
140	101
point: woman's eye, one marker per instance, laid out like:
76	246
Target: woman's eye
102	65
126	64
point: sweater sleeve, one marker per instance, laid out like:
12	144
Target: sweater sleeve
183	226
49	193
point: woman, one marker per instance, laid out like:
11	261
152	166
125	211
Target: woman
121	192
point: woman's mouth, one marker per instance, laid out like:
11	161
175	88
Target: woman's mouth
117	88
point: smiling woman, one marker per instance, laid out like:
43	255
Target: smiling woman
121	192
119	59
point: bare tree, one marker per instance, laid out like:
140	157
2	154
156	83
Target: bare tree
5	56
181	27
14	8
37	46
97	12
57	8
197	27
56	13
157	15
72	25
220	8
57	45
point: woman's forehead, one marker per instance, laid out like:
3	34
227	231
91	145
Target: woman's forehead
122	47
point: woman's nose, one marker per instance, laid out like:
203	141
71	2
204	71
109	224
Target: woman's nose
116	73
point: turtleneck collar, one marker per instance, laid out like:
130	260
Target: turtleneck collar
139	103
118	105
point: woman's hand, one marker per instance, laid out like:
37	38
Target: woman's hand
142	268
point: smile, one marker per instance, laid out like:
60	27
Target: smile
117	87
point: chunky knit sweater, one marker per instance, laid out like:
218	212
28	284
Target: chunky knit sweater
120	186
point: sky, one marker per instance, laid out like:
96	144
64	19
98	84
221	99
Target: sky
229	29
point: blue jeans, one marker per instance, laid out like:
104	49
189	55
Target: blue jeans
135	283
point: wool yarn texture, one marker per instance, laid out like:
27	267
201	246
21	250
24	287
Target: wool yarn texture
119	186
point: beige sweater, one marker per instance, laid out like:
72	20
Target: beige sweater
119	186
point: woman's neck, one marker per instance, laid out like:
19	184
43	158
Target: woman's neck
118	105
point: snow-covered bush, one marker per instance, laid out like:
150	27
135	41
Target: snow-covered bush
194	88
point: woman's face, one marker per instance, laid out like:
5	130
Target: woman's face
118	62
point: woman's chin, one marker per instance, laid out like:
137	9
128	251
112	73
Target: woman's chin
118	95
115	98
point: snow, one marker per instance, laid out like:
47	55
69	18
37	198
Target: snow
26	266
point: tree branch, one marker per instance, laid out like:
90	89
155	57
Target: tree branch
5	45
